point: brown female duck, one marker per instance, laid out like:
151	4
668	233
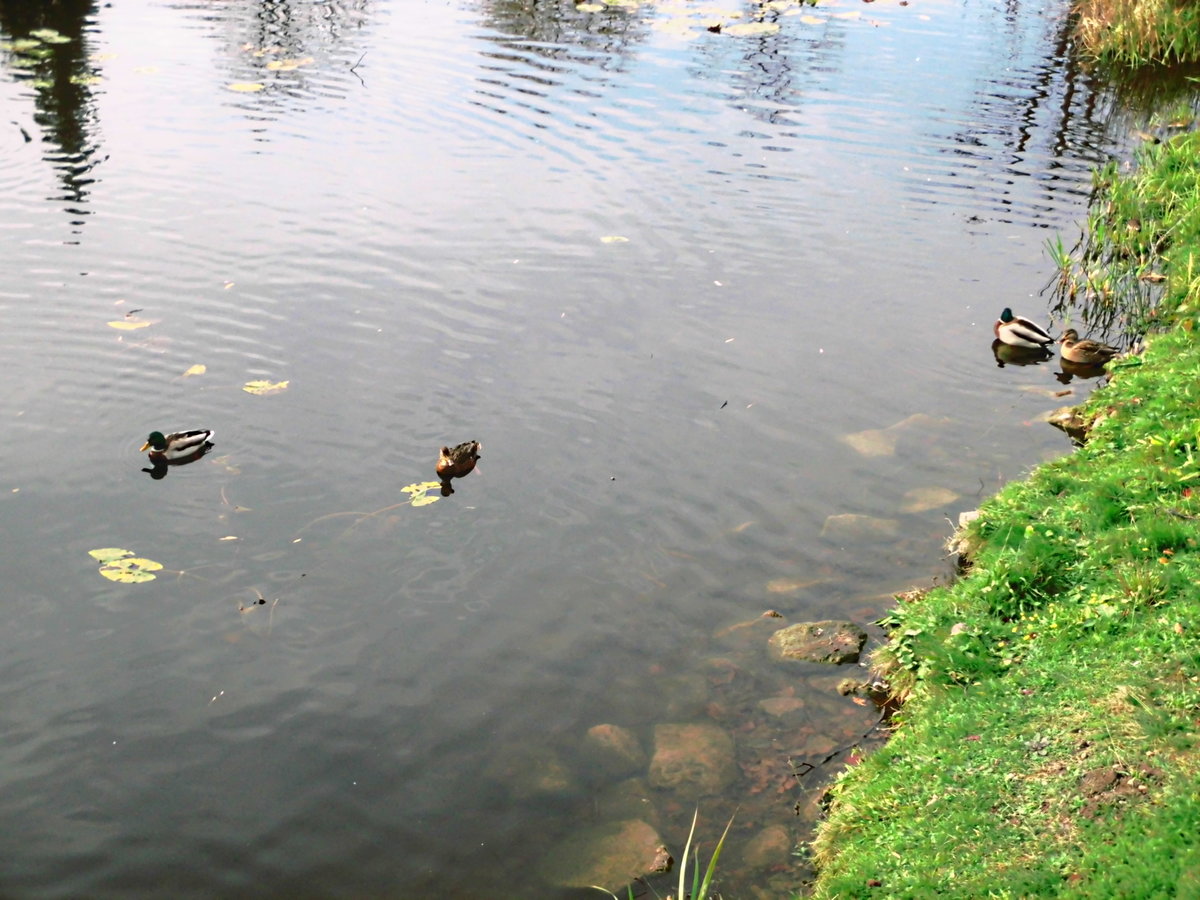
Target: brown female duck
1090	353
455	462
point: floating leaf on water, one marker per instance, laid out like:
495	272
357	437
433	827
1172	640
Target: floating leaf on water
107	554
130	571
288	65
264	387
128	324
86	79
746	29
420	492
50	36
246	87
614	239
198	369
589	7
24	45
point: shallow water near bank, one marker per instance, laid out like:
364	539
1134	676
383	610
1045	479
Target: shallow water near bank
695	293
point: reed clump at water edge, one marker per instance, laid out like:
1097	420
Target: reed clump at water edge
1049	743
1131	33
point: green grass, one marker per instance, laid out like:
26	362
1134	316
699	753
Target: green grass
1049	745
1138	32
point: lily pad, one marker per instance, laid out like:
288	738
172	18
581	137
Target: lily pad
420	492
747	29
50	36
119	564
130	570
107	554
264	387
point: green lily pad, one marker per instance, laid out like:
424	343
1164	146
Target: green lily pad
50	36
129	571
108	554
420	492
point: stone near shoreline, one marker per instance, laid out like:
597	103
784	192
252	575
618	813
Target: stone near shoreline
609	855
821	642
696	757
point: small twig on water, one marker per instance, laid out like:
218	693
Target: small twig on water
354	69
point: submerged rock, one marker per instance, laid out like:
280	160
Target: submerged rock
609	855
632	798
614	750
923	499
769	848
854	527
526	773
692	756
822	642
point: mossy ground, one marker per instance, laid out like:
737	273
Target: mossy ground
1050	740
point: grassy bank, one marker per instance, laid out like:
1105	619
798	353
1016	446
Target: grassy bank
1138	32
1049	744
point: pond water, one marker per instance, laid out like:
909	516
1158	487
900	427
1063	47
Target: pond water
695	292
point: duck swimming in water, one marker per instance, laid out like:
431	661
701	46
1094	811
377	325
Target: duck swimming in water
1017	331
455	462
1089	353
177	446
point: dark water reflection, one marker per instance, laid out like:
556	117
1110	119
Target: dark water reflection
696	294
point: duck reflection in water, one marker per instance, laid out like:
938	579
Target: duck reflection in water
1010	355
1081	371
456	462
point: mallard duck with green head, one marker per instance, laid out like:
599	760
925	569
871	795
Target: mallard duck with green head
455	462
1088	353
1018	331
178	446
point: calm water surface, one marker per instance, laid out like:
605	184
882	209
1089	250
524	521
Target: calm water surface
661	273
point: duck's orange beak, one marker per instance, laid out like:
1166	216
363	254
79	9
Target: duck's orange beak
145	447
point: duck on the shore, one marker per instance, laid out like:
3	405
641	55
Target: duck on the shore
455	462
1090	353
177	446
1017	331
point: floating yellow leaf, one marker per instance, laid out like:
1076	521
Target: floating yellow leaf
751	28
288	65
85	79
107	554
198	369
420	492
246	87
614	239
128	324
264	387
50	36
129	571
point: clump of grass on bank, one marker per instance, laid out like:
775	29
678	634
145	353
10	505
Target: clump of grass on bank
1050	742
1140	236
1138	32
